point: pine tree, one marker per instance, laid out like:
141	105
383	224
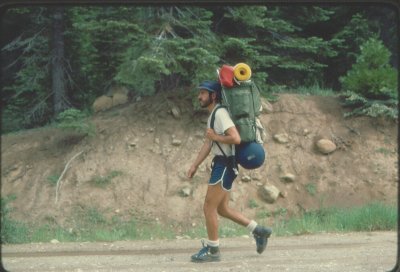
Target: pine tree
27	92
177	49
58	67
370	86
272	41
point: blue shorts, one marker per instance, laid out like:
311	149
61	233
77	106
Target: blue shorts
222	173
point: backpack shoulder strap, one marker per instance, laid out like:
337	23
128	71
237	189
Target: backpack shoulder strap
212	121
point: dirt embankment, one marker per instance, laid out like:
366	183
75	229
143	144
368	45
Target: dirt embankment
147	152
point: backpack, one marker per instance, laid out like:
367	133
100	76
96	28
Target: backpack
242	100
241	96
244	104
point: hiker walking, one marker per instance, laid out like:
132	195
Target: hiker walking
220	140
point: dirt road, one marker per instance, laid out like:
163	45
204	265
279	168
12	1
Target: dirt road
353	252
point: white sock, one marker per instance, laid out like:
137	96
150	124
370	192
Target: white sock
212	243
252	225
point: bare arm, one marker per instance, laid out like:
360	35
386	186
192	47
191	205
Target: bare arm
203	153
231	136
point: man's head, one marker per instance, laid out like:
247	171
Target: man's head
209	92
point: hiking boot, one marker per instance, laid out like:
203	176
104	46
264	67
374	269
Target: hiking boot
261	234
207	254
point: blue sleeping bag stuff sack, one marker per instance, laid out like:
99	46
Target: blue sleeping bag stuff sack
250	155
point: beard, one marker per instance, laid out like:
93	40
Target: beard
206	103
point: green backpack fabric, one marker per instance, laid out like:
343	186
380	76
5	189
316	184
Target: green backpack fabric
244	104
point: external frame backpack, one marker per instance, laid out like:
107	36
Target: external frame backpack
243	104
242	100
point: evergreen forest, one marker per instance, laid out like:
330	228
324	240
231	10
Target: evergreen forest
56	58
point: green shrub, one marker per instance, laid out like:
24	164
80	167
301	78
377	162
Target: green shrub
370	86
75	120
360	105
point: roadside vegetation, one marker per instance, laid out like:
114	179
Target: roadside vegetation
92	225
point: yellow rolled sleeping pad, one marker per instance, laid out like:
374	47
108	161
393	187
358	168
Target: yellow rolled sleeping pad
242	72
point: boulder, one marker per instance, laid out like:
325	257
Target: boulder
246	178
288	177
282	138
102	103
256	176
176	112
176	142
326	146
115	96
306	132
119	99
185	192
269	193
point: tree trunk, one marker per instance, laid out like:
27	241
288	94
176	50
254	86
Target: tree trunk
57	62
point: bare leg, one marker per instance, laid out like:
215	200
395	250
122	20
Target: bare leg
214	198
227	212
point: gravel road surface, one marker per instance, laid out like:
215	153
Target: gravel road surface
366	251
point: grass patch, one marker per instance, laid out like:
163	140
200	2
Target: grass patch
12	231
311	188
90	224
371	217
47	232
314	89
230	229
279	212
253	204
103	181
227	228
384	151
263	214
53	179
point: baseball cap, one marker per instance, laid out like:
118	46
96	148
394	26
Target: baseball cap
212	86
